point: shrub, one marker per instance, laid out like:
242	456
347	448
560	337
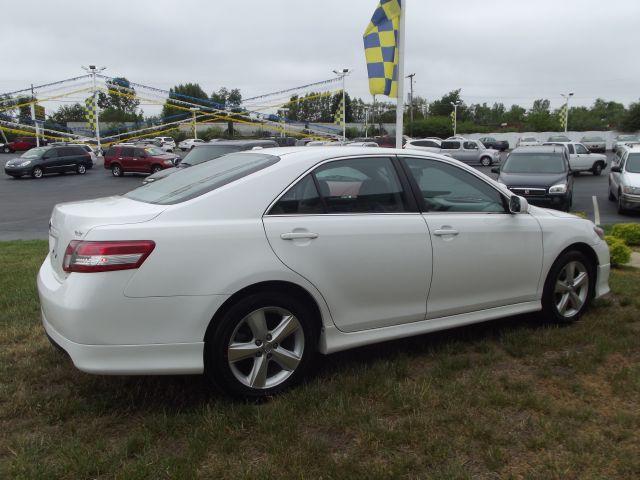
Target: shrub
629	232
620	253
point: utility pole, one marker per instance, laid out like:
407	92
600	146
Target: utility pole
193	120
33	116
410	77
93	71
455	116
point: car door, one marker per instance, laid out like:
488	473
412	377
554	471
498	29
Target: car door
125	157
351	228
470	152
583	157
66	159
483	256
614	177
50	161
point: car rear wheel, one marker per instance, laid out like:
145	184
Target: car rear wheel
37	172
260	346
81	169
155	169
116	171
568	288
485	161
597	169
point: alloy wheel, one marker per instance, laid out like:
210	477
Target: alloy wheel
571	289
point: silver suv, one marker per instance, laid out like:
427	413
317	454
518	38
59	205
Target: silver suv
469	151
624	179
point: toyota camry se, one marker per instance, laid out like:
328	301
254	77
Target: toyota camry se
247	267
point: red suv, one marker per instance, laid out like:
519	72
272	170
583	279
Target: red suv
140	159
22	144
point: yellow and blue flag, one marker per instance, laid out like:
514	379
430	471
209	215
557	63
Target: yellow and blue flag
338	118
564	110
381	39
90	112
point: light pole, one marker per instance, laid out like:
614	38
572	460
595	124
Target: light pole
92	70
455	116
366	122
193	113
566	96
342	74
410	77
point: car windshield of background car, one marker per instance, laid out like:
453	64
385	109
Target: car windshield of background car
533	163
628	138
154	151
633	163
195	181
34	153
529	139
592	139
204	154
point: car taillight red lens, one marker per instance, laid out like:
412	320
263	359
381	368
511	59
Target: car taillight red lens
88	257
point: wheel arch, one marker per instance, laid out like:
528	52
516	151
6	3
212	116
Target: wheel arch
276	285
588	252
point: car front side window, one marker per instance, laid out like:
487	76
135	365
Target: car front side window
447	188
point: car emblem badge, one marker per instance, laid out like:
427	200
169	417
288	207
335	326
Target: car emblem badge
526	192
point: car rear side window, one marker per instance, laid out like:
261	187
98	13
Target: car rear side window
301	199
197	180
450	145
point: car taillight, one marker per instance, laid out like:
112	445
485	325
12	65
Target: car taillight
89	257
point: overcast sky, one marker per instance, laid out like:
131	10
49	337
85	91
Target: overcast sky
509	51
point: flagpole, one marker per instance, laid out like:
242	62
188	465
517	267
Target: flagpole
400	105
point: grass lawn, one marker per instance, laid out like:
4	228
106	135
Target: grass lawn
514	398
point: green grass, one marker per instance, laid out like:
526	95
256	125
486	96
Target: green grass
508	399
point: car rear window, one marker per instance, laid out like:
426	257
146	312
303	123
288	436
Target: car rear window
205	153
195	181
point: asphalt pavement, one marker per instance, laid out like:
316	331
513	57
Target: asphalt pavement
27	203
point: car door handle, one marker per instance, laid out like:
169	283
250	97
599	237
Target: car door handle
297	235
445	231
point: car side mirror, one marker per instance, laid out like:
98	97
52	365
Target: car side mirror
616	168
495	170
518	204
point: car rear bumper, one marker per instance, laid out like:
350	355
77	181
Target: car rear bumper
105	332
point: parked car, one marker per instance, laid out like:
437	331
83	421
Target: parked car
542	175
558	138
624	180
207	152
42	160
491	142
581	159
624	139
301	142
362	144
280	263
389	141
528	142
595	144
168	144
22	144
424	144
87	149
121	159
189	143
470	151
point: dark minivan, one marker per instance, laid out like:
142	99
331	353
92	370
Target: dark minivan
41	160
540	174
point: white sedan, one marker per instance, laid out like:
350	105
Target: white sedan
189	143
247	266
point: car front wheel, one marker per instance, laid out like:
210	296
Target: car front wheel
262	345
567	291
485	161
155	169
6	150
36	172
597	169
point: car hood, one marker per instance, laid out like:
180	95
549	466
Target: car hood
632	179
19	160
532	179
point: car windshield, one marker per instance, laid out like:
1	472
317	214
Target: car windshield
559	138
592	139
192	182
34	153
154	151
534	163
204	154
633	163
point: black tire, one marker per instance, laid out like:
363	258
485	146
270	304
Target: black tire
486	161
6	149
611	197
116	170
155	169
597	169
37	172
577	297
233	324
81	169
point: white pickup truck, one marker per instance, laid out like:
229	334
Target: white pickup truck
581	159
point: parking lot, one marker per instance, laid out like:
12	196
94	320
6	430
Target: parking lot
27	203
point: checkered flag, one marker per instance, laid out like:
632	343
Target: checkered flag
564	110
90	112
338	119
453	118
381	48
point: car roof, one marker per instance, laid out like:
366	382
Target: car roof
242	143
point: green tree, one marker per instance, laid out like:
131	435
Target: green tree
631	119
189	92
119	104
231	100
68	113
443	106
